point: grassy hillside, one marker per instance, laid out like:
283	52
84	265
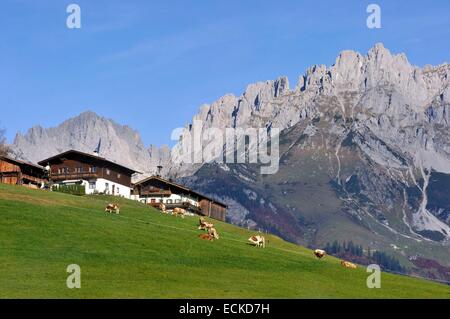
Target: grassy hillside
145	254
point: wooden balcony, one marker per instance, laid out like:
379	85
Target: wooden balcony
34	179
22	178
73	176
155	193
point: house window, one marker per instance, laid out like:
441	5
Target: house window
118	190
108	172
118	175
92	169
91	185
65	170
107	188
169	201
79	170
153	200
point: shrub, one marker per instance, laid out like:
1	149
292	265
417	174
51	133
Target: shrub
78	190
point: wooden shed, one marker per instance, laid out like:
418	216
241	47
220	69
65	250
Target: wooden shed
213	209
16	172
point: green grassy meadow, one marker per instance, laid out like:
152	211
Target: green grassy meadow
142	253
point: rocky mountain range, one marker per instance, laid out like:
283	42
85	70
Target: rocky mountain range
364	155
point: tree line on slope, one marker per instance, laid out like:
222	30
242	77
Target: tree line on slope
356	253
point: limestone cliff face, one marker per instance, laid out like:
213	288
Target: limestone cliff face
403	105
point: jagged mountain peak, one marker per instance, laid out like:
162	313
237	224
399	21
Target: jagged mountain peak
88	114
378	83
83	132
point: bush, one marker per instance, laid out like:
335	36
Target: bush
78	190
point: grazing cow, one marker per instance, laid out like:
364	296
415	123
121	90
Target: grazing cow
206	237
179	211
319	253
204	225
162	207
112	208
348	264
258	241
213	232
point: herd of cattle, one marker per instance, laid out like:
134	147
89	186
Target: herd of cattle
211	232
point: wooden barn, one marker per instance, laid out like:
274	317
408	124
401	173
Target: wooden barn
95	173
155	190
17	172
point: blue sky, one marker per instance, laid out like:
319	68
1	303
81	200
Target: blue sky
151	64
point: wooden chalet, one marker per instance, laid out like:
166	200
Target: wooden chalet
96	173
155	190
16	172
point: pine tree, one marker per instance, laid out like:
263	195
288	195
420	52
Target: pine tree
328	248
351	247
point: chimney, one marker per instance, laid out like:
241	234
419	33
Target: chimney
159	168
97	149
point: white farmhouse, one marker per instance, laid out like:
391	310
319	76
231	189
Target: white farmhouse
96	173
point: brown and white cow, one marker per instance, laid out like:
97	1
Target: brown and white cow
213	232
179	211
348	264
206	237
112	208
162	207
204	225
319	253
258	241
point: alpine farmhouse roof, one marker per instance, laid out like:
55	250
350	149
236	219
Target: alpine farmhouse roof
181	187
89	157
